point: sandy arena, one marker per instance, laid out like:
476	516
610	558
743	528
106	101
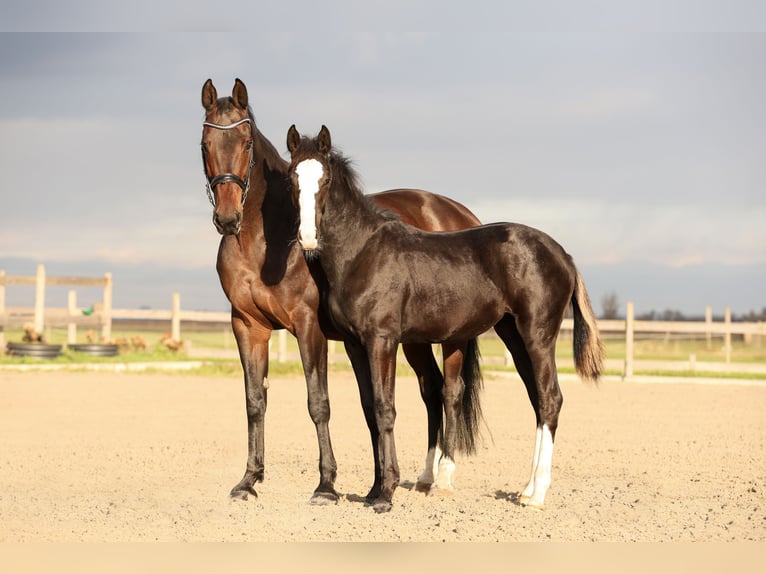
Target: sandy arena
151	457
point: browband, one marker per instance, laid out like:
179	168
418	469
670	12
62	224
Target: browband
222	127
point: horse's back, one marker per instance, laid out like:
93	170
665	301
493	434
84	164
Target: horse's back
426	210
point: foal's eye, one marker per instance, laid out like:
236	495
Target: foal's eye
248	144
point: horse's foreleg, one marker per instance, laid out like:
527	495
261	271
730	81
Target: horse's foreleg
360	363
313	349
253	344
382	355
430	379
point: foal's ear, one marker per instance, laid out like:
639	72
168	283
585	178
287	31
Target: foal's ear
325	143
239	94
209	95
293	139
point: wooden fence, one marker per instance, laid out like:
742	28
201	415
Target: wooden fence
103	315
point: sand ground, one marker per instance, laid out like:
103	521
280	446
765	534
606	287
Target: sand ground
107	457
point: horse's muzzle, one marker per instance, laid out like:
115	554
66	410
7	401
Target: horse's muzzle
228	224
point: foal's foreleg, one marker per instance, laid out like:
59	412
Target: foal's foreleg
312	345
421	359
361	365
536	364
382	356
253	344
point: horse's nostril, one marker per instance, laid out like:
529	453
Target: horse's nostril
227	224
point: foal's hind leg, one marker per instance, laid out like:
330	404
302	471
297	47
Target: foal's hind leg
536	364
421	359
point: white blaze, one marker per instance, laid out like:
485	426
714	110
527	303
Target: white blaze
309	172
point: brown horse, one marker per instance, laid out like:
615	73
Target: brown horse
271	286
392	284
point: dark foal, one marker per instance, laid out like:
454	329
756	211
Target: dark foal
391	283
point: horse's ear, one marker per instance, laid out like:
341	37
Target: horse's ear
209	95
293	139
239	94
325	143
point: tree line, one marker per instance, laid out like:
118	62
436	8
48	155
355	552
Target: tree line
610	309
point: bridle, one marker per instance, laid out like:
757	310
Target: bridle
226	177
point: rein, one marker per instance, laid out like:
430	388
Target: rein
226	177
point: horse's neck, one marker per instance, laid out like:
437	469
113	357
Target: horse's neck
268	154
268	177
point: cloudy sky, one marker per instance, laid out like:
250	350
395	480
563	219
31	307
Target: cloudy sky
634	134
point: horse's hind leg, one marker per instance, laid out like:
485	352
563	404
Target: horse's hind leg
452	398
253	344
430	380
313	349
536	365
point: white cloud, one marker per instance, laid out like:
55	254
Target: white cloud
672	235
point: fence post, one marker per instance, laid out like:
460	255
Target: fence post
282	345
106	312
709	327
175	318
40	299
2	310
727	334
629	341
71	338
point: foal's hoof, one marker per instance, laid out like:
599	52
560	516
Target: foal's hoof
381	506
527	502
442	491
324	498
241	493
372	496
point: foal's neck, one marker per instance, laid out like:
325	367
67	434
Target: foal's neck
348	221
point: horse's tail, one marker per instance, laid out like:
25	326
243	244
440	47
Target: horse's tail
468	429
588	348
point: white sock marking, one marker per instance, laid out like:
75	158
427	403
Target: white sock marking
534	493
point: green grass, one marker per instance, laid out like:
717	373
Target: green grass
492	350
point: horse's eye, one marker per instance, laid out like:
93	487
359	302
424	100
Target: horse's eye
249	144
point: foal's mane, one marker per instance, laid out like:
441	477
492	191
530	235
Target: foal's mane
346	175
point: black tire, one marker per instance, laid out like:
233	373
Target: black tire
97	350
40	350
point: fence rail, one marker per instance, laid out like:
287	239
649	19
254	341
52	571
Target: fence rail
103	315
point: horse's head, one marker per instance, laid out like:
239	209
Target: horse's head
227	154
310	179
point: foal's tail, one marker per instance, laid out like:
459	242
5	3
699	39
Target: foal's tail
588	349
468	429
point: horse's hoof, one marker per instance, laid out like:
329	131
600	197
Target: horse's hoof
382	506
424	487
324	498
241	493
